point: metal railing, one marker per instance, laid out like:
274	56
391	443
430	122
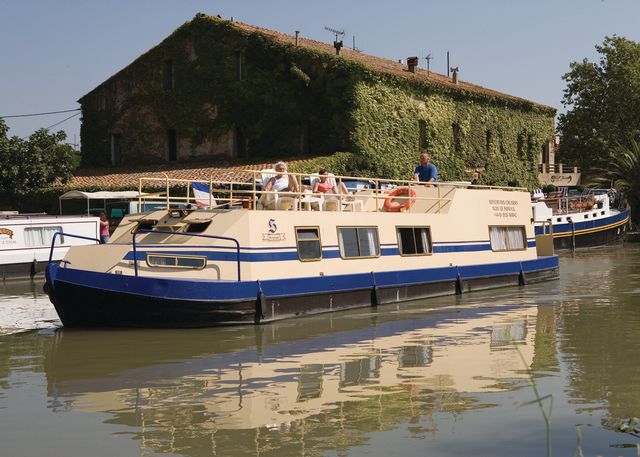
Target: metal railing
166	232
249	193
70	235
557	168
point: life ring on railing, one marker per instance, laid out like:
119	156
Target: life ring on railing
393	206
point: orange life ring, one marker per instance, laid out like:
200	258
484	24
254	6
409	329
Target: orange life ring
393	206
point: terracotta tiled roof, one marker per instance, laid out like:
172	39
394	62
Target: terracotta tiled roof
127	177
384	65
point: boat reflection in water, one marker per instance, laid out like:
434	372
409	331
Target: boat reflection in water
284	389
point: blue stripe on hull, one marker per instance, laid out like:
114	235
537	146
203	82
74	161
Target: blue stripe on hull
284	255
206	290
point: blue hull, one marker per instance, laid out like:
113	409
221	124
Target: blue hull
589	233
91	299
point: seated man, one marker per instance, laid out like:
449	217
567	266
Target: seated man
426	172
281	182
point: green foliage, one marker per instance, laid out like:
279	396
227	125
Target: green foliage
622	172
29	165
387	134
290	100
603	100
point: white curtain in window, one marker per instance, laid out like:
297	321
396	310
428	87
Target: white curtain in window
41	236
425	241
515	237
498	238
370	246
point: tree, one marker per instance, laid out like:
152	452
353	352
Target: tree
622	173
603	101
32	164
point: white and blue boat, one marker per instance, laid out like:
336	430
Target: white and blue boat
596	218
236	261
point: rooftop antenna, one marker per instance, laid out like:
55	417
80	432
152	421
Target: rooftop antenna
428	58
336	44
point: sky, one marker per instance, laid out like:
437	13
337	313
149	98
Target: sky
53	52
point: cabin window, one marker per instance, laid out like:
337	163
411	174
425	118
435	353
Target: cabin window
507	238
308	242
414	240
358	242
42	236
175	261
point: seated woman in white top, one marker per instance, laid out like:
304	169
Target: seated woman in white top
281	182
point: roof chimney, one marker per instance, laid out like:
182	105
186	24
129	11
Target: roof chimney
297	36
412	63
338	45
454	76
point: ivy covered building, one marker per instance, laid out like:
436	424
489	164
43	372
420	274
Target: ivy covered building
217	89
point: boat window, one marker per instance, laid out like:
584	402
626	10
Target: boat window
414	240
308	242
507	238
175	261
602	213
42	236
559	219
586	216
358	242
198	227
595	214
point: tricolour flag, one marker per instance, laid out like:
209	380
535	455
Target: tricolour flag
203	194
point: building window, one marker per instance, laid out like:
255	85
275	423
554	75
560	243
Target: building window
521	151
489	141
422	134
42	236
172	145
167	74
308	242
414	240
240	144
240	66
358	242
507	238
116	149
457	137
174	261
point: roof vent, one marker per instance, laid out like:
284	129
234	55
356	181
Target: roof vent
454	74
412	64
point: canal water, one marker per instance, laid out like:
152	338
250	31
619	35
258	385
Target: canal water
451	376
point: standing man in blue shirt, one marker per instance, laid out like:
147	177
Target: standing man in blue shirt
426	172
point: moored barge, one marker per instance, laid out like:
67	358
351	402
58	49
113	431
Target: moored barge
244	259
596	218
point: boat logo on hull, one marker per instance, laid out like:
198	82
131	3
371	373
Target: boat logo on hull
272	234
6	232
